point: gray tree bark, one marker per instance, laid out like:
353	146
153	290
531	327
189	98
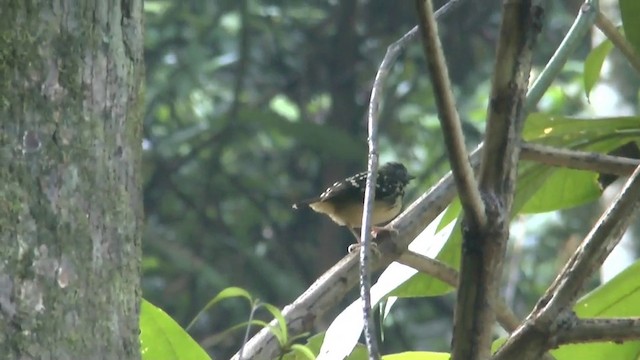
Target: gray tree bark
70	199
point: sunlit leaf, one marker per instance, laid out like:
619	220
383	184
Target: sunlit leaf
568	132
303	352
618	297
161	338
280	332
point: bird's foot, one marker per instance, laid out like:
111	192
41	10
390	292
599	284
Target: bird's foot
376	231
356	247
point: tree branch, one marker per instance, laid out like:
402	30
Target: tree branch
530	340
449	120
611	32
449	275
599	330
483	248
579	160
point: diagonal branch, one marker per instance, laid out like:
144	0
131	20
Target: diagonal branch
530	339
611	32
449	275
449	119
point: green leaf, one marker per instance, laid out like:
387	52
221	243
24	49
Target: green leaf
161	338
619	297
314	343
418	355
565	188
281	332
303	352
422	285
227	293
630	13
577	133
593	65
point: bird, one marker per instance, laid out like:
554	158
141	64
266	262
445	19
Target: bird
343	201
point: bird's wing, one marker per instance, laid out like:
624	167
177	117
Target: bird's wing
349	188
386	187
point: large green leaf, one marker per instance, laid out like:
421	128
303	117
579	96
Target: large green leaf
422	285
618	297
161	338
564	188
574	133
630	13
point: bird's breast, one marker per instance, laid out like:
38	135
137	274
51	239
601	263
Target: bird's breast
351	214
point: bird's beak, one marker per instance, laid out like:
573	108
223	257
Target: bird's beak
410	177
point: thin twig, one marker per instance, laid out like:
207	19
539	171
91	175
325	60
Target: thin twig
365	235
449	120
248	329
449	275
528	341
611	32
393	51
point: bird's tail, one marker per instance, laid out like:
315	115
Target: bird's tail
300	205
304	203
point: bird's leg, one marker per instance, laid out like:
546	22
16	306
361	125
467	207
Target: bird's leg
355	234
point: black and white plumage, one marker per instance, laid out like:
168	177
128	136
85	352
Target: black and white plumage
343	201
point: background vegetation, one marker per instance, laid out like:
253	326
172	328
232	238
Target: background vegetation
252	105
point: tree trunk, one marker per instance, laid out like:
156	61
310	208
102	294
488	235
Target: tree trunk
70	200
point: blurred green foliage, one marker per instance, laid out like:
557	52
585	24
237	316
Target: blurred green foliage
254	104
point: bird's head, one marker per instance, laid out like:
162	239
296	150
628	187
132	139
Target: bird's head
396	171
